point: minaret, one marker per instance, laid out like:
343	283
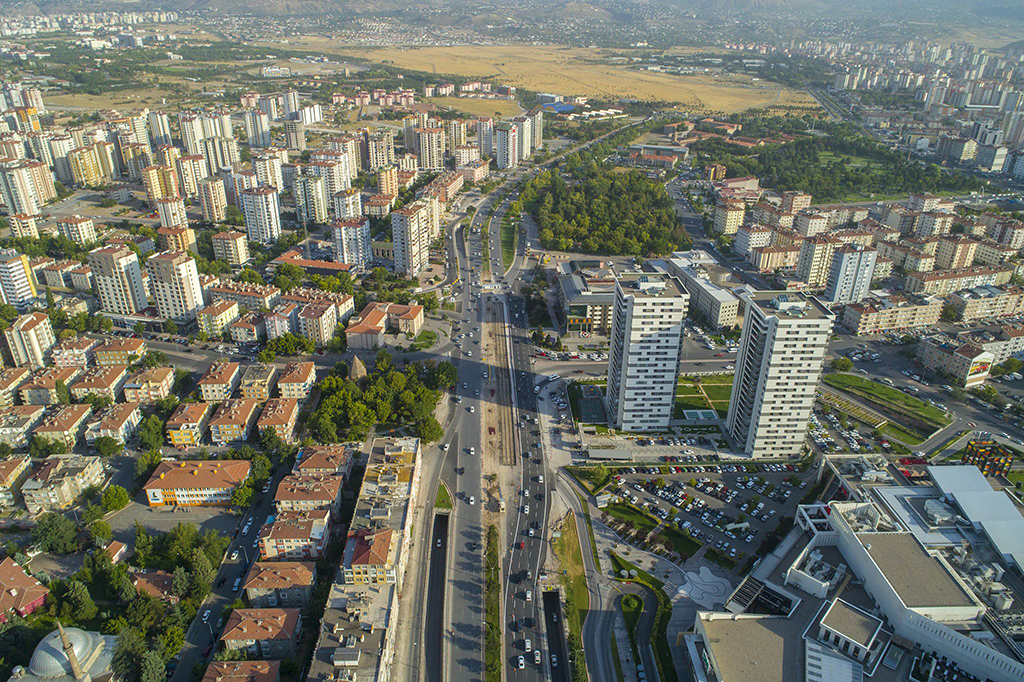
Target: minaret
69	651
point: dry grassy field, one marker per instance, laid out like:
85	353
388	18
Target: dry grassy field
578	71
479	107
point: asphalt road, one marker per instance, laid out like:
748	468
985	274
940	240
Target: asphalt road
200	634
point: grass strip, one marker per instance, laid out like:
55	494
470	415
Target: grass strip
590	531
443	499
901	434
492	608
887	396
577	596
662	652
632	607
509	237
593	478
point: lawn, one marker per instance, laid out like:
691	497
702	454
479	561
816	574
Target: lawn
718	392
593	478
627	512
443	500
509	232
709	379
424	340
687	389
901	434
590	529
681	542
616	661
1015	476
691	402
574	582
886	396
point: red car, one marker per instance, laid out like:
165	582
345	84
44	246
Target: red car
207	650
719	355
521	545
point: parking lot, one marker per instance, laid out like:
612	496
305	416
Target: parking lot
728	507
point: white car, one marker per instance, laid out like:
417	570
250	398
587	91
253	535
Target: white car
206	615
234	555
472	409
445	447
472	500
521	663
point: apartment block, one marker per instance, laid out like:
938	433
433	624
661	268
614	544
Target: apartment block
252	296
729	216
296	535
296	380
232	421
174	282
16	285
119	422
148	386
257	382
187	424
30	339
851	273
782	348
17	423
879	315
279	414
646	339
325	460
106	381
280	583
318	322
775	258
268	633
965	364
192	484
220	381
987	303
231	247
955	252
215	319
213	200
942	282
815	262
56	483
11	380
13	472
118	279
750	237
991	253
42	387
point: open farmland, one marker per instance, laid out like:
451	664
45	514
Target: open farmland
577	71
479	107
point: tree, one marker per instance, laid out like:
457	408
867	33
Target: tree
249	276
241	496
44	447
383	361
444	375
55	533
82	606
147	462
266	356
107	446
170	327
129	650
139	328
152	668
63	393
100	532
143	544
154	359
98	402
179	583
115	497
151	432
170	641
429	430
842	364
260	467
288	276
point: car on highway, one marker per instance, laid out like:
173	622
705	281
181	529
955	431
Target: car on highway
536	656
206	615
554	661
521	663
472	500
234	555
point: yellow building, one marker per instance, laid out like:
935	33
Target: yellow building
187	424
85	167
193	484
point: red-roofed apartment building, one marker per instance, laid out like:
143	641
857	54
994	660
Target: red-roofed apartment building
20	593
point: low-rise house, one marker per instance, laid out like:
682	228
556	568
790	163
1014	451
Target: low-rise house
214	319
187	424
257	382
118	551
243	671
106	381
325	459
280	583
269	633
56	483
220	381
20	593
159	584
78	351
119	422
296	535
279	414
11	381
149	385
195	484
13	472
296	380
64	424
17	422
42	388
302	492
367	330
121	351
